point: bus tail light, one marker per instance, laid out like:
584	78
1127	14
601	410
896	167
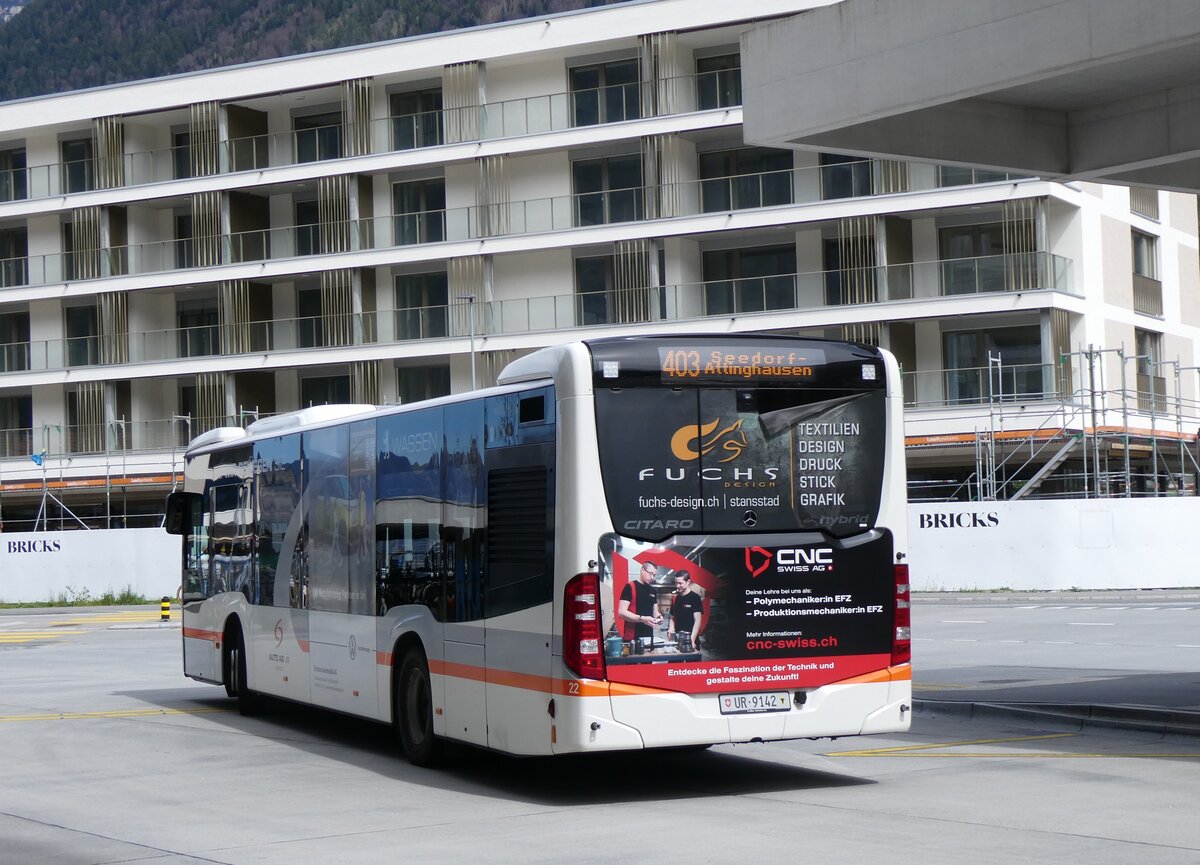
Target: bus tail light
902	636
583	643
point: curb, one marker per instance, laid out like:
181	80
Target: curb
1071	715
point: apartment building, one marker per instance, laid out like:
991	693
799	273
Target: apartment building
398	221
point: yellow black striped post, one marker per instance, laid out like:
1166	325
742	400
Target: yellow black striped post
166	609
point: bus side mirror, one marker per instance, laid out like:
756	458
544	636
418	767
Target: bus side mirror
181	508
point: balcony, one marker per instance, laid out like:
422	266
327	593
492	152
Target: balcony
783	292
495	120
534	216
981	385
1147	296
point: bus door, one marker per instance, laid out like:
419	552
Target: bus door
519	577
455	558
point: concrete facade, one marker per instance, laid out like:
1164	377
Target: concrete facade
1065	89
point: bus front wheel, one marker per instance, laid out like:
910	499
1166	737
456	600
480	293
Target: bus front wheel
413	709
235	679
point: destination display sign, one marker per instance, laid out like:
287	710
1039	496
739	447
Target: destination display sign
736	363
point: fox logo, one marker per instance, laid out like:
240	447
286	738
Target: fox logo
731	440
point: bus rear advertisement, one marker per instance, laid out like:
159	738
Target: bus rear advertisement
635	542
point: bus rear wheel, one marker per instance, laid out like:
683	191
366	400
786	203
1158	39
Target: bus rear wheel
412	702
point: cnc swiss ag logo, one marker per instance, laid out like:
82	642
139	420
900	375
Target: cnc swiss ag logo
757	560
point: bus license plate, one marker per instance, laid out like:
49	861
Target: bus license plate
747	704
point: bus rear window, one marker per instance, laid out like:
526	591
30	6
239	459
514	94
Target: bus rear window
703	459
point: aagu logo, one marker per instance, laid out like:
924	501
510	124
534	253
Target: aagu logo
693	441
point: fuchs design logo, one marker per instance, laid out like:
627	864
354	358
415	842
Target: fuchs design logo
759	555
731	440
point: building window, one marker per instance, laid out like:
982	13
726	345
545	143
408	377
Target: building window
14	341
419	207
749	280
199	331
593	289
309	330
844	176
14	256
1151	385
308	228
421	305
1145	255
14	184
608	189
970	379
415	383
181	154
318	136
324	390
605	93
416	119
719	81
976	258
83	335
185	244
78	165
746	177
16	426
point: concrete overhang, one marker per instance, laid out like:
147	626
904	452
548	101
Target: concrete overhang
1103	90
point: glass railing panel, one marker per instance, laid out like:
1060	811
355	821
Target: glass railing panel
721	88
14	356
16	443
413	131
430	322
980	385
14	184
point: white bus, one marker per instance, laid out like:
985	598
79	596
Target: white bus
636	542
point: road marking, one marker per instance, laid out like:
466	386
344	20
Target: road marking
962	622
115	713
1095	624
1186	646
938	750
33	636
908	749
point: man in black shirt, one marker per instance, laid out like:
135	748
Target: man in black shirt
638	606
687	609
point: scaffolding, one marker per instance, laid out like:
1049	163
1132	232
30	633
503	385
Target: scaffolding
1093	440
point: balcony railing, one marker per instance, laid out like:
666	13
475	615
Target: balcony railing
980	385
1147	295
715	298
494	120
690	198
16	443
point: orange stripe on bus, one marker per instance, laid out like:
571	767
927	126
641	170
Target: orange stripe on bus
891	674
201	634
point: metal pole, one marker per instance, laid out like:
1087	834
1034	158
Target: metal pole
1125	419
1153	366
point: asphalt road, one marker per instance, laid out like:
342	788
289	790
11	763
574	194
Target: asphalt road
1132	649
110	755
